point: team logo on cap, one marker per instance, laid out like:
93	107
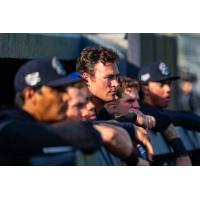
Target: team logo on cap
32	79
164	69
58	66
145	77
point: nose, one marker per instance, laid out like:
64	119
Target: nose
115	83
135	105
167	88
90	106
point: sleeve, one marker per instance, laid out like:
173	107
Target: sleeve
187	120
129	127
162	120
29	138
104	115
130	117
81	135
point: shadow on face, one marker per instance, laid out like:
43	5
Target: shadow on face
45	104
159	93
104	83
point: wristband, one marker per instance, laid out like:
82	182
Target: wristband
178	147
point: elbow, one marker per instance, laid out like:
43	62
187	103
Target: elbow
111	137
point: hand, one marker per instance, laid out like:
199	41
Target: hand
116	139
151	121
146	121
142	137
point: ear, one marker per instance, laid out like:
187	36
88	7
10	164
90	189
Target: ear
28	94
85	75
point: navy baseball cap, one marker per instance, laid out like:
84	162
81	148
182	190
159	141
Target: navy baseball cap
156	72
43	71
75	75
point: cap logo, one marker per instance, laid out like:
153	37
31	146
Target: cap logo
32	79
58	66
163	69
145	77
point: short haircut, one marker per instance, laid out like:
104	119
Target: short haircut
19	97
125	83
19	100
91	56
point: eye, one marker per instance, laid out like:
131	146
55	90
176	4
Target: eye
109	77
130	101
60	89
117	77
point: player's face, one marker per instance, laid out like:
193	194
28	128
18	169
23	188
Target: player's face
160	93
127	103
75	104
48	104
89	112
104	83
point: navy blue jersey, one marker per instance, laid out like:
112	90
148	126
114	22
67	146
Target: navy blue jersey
125	121
187	120
162	121
21	135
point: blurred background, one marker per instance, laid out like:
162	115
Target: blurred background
179	51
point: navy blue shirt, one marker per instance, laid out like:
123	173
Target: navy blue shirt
187	120
126	121
162	120
22	136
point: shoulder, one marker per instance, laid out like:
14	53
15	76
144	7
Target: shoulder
14	113
104	115
150	110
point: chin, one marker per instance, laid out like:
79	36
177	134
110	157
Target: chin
109	100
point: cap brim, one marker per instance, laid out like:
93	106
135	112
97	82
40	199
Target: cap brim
170	78
65	81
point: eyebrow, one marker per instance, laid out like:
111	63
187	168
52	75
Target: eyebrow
131	100
112	75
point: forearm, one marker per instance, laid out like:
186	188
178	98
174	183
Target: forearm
115	139
80	135
187	120
177	145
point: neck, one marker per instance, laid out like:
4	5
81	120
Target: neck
99	103
31	112
148	101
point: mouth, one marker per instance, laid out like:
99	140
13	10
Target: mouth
113	92
92	117
167	99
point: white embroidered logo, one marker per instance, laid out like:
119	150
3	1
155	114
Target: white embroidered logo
58	66
164	69
145	77
32	79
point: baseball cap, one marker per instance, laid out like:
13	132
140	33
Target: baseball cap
156	72
74	75
42	71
